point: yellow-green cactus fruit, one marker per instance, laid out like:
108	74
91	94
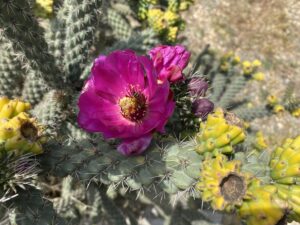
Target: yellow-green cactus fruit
247	67
272	100
185	4
260	141
222	183
264	207
259	76
10	108
296	113
256	63
172	34
219	133
285	162
291	194
156	20
21	134
43	8
278	108
173	5
171	17
236	60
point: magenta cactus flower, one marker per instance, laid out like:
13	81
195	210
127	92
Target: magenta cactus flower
123	99
169	62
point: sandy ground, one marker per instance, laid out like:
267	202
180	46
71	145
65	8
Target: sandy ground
267	30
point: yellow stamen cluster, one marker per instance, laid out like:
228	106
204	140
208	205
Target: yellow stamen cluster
260	141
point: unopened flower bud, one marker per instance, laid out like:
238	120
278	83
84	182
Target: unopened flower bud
197	87
202	107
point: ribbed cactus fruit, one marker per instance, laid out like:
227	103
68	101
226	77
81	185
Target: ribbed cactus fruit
219	133
263	207
285	162
290	194
22	134
10	108
260	141
44	8
222	183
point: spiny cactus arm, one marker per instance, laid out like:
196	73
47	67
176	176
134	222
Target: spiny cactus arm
74	132
81	23
11	73
55	38
22	29
175	169
31	208
250	114
120	26
237	84
51	111
34	87
218	86
111	211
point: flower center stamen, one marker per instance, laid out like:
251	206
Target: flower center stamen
134	106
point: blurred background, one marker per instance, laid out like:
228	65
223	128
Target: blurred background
267	30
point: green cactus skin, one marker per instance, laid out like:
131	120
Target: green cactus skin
218	86
51	111
256	163
249	114
120	26
55	38
11	73
81	23
173	169
31	208
22	29
34	88
238	83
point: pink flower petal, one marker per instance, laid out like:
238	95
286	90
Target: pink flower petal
130	147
